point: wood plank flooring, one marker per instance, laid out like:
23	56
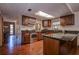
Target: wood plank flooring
35	48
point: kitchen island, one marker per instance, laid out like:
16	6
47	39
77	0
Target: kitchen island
59	43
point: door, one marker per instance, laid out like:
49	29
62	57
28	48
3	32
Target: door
9	29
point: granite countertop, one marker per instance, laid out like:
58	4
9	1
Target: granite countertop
61	36
29	31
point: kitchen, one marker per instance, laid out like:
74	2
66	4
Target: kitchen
54	25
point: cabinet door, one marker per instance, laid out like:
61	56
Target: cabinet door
1	35
39	36
25	38
62	21
70	19
51	46
28	21
67	20
46	23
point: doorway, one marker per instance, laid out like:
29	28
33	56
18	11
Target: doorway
8	30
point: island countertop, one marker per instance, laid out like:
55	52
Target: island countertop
61	36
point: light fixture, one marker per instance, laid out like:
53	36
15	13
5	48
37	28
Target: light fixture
43	14
29	9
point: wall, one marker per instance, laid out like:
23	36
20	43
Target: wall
1	31
18	28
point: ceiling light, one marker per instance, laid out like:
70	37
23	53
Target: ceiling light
29	9
43	14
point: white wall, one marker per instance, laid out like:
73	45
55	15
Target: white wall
18	28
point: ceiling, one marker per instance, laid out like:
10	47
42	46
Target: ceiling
54	9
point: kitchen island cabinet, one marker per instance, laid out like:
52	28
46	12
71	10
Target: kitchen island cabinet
59	44
51	46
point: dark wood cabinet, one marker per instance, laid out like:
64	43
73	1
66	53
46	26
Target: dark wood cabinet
28	21
39	36
67	20
25	37
51	46
46	23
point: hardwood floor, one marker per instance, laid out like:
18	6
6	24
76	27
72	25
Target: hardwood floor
35	48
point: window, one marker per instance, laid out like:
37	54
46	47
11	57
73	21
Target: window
56	25
11	28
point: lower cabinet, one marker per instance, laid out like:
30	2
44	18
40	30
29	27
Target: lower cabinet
25	38
50	46
39	36
57	47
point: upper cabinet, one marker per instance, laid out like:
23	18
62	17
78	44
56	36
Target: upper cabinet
28	21
46	23
67	20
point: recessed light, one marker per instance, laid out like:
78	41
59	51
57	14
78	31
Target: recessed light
29	9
